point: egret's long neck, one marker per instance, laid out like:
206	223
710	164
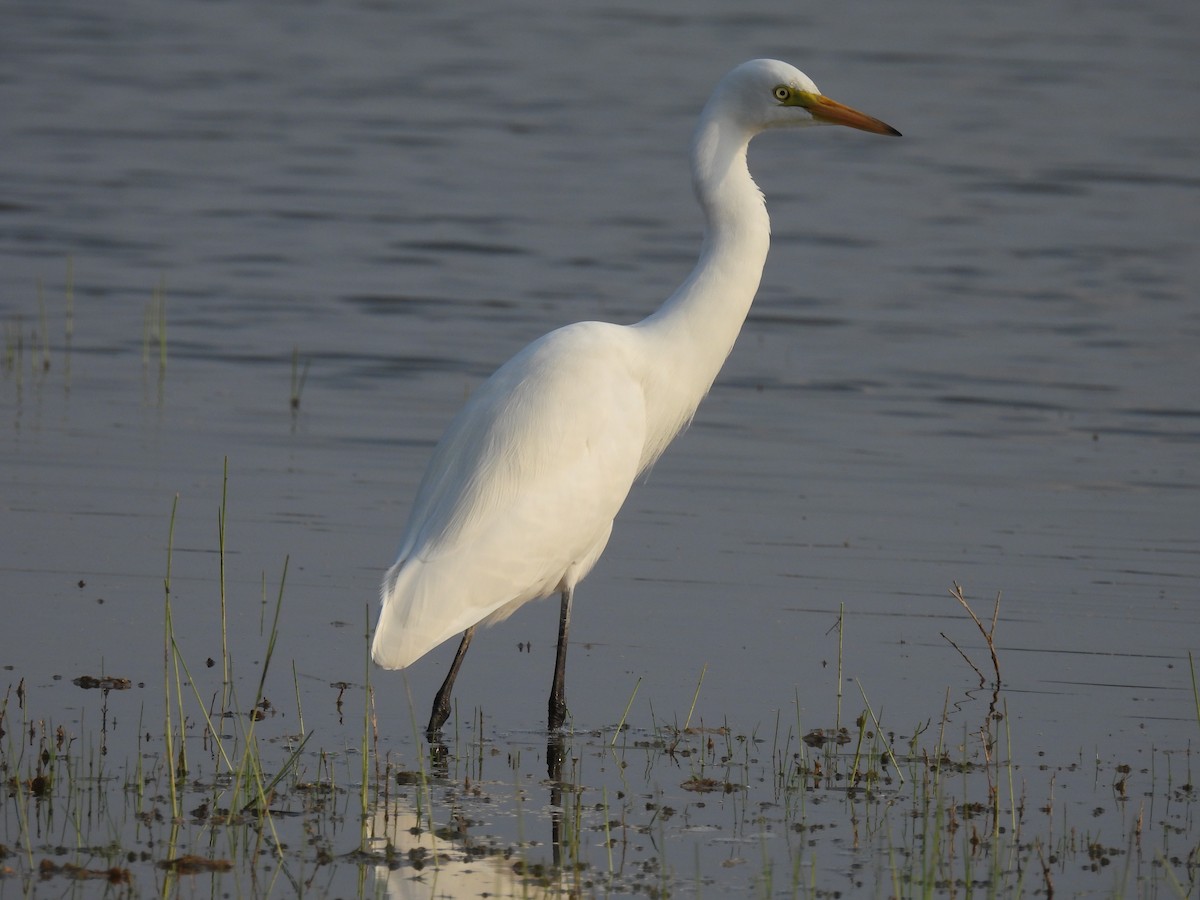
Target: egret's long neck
693	331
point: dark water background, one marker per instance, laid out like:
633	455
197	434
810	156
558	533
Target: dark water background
973	357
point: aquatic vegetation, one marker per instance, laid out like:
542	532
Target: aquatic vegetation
154	328
223	790
37	340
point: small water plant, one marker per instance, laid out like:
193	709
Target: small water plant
206	786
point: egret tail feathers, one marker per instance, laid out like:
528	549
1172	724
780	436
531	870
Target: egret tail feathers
418	614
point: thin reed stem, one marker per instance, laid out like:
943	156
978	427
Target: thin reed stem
222	519
621	724
168	643
695	696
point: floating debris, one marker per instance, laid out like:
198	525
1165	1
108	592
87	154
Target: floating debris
819	737
114	875
195	865
708	786
107	683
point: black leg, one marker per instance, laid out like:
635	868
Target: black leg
558	692
441	703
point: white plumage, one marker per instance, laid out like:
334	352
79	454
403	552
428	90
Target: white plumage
519	497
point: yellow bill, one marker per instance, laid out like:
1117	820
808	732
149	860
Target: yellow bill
825	110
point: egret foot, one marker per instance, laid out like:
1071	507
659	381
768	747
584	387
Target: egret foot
441	703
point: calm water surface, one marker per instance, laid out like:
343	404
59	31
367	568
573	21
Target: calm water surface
973	357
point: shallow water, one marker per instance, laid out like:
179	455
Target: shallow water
973	357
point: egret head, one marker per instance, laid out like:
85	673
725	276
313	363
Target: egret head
767	93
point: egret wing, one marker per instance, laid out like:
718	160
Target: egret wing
520	494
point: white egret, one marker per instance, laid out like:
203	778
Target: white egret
519	498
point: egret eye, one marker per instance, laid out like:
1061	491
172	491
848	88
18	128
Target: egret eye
782	93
